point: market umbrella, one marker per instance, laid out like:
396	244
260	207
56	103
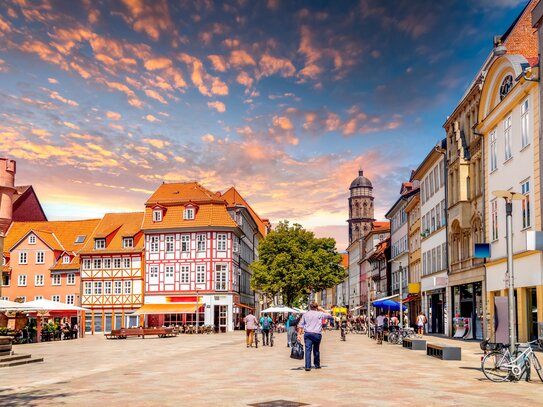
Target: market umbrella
48	305
16	306
389	304
279	309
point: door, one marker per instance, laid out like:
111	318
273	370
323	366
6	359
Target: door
437	314
220	316
107	325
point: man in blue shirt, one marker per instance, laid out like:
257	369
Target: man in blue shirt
311	327
266	324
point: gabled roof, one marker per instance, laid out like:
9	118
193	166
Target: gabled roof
60	235
72	265
24	193
181	193
114	227
233	199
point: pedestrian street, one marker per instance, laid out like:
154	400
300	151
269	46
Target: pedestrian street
219	370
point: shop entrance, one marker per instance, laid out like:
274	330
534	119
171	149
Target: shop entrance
436	312
468	308
220	318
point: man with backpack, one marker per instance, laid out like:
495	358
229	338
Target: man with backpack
266	324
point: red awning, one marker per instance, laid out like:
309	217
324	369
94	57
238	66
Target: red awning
245	306
411	297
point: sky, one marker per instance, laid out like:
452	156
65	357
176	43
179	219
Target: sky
102	101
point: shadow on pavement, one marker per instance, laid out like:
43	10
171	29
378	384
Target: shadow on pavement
29	398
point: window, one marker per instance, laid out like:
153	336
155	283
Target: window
21	281
221	242
189	213
494	219
221	277
438	258
66	259
168	274
100	243
157	215
239	219
154	244
117	263
97	288
200	274
126	262
86	264
118	287
23	257
444	256
525	189
185	243
506	86
170	244
507	138
128	242
107	287
201	242
40	257
88	288
97	263
80	239
438	216
128	287
38	280
55	298
107	263
56	279
70	279
38	297
70	299
185	273
32	239
153	271
524	123
493	156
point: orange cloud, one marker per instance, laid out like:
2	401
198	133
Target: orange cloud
244	79
218	63
282	122
71	125
240	58
57	96
157	143
270	65
157	63
52	80
113	115
208	138
155	95
218	106
151	118
207	85
151	18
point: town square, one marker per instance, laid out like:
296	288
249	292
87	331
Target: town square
271	203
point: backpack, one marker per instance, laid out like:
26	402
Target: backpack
265	323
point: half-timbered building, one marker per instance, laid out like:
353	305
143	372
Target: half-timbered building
112	273
194	240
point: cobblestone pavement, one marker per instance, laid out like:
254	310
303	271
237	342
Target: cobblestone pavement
218	370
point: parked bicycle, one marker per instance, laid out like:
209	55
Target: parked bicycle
499	365
256	337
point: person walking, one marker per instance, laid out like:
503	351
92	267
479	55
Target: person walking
266	324
421	321
250	325
310	327
291	329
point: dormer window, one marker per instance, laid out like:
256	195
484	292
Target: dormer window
66	259
157	215
100	243
128	242
32	239
189	213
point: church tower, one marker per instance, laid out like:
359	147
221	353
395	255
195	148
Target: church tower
361	209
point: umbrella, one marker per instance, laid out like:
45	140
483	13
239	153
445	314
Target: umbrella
389	304
49	305
15	306
279	309
300	311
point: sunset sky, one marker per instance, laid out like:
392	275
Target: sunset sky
101	101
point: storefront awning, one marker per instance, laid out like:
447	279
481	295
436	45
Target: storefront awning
244	306
172	308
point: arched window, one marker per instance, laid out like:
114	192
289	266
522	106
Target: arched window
506	86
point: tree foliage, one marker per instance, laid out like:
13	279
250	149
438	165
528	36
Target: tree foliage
293	262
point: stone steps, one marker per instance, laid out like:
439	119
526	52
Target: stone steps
24	361
8	358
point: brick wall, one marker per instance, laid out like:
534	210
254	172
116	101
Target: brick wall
523	38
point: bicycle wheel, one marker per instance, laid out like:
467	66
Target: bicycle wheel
494	366
537	366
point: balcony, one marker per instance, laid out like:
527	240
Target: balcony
466	264
461	211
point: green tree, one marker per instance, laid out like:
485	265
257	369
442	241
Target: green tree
293	262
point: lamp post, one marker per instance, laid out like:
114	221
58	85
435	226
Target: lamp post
509	197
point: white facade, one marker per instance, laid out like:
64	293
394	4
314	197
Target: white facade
353	286
399	247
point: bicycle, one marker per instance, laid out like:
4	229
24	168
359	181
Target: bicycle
499	365
256	337
271	336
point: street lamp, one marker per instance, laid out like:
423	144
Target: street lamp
509	197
